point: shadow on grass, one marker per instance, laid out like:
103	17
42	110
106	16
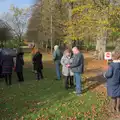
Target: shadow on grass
93	82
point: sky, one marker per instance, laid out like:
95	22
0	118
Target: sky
5	4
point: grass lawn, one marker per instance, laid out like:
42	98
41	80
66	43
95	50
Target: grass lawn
46	100
46	57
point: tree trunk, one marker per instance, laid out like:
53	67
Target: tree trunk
70	7
42	45
117	48
101	45
46	47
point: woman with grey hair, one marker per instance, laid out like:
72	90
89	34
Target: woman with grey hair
67	72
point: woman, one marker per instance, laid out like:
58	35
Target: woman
19	66
67	72
7	66
38	64
113	82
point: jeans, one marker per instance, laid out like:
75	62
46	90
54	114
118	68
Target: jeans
57	64
78	82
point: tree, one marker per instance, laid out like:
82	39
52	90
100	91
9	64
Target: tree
92	18
47	23
5	33
72	21
18	19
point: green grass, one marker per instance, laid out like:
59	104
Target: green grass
28	57
46	100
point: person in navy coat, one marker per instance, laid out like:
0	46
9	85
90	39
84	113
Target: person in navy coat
7	67
113	82
19	66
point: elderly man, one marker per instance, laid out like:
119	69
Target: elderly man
57	58
77	67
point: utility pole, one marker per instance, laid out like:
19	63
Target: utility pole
51	26
51	30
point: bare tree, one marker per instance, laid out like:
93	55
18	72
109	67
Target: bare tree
18	19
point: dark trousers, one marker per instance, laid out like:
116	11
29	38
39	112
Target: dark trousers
20	76
68	80
8	78
39	75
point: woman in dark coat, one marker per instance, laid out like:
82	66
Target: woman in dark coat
38	64
19	66
7	66
113	82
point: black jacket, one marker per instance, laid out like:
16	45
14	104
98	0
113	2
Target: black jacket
37	59
19	62
78	63
7	64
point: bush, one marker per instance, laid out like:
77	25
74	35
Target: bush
89	47
13	44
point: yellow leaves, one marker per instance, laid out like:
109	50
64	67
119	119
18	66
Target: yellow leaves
81	8
103	22
68	1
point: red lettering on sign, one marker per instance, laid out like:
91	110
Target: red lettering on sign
108	55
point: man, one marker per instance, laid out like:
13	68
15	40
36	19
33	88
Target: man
57	58
38	64
77	67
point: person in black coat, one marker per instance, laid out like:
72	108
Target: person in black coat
7	67
19	66
38	64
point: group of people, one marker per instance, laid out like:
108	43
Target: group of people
73	66
72	62
9	63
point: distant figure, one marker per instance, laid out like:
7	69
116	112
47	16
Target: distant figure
7	67
19	66
1	76
57	58
77	67
33	53
67	72
113	82
38	64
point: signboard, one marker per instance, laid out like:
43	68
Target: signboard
108	56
